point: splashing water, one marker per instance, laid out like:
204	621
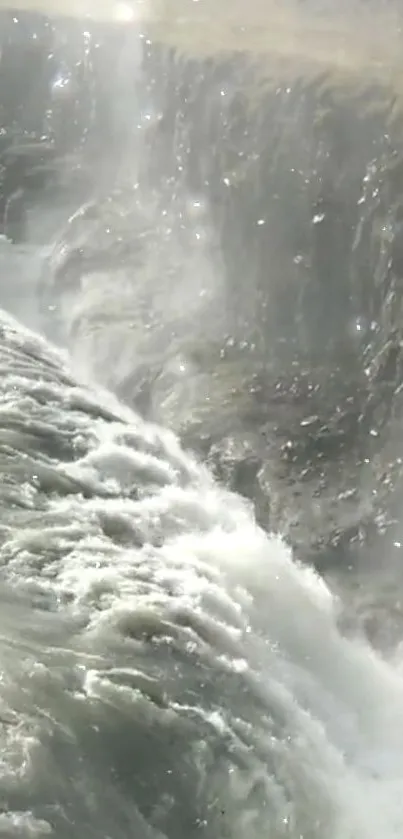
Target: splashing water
167	668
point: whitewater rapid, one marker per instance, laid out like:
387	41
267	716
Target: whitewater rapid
167	669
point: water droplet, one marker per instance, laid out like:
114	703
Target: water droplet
309	421
196	207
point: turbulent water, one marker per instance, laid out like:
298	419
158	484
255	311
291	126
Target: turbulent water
200	416
167	668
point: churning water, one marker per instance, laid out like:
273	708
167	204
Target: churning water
169	668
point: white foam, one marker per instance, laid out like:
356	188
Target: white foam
140	600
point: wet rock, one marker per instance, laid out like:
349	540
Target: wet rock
288	378
304	179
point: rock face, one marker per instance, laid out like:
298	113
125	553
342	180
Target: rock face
301	166
272	176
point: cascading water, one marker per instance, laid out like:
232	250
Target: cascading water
169	667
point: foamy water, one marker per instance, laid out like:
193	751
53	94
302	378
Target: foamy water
167	668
